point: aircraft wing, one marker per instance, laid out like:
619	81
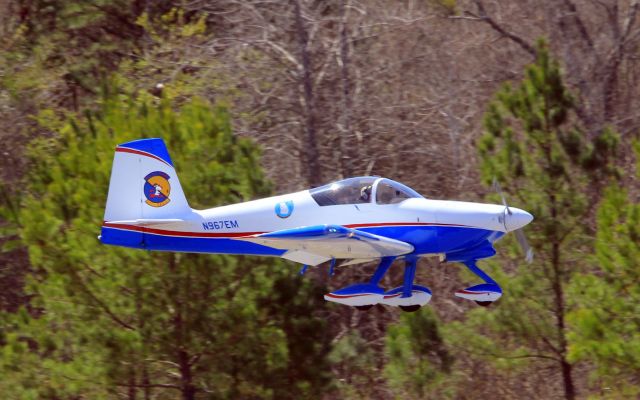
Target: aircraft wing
314	245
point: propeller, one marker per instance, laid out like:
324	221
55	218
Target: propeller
520	236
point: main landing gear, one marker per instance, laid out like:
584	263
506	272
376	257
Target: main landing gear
483	294
363	296
410	297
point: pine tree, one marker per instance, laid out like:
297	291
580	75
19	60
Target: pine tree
549	167
420	364
604	327
109	322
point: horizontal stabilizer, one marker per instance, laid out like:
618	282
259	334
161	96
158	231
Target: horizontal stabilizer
331	241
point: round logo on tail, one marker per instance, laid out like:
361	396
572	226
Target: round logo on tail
157	189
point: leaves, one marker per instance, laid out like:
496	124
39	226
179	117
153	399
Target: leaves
533	147
116	318
420	364
605	323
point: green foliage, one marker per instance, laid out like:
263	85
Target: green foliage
106	321
61	52
549	166
11	252
354	363
290	305
419	363
542	158
448	7
605	327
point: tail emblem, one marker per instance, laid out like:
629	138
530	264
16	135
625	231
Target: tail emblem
157	189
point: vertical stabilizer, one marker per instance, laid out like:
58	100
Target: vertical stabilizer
144	186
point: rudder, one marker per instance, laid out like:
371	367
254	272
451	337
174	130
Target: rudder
143	186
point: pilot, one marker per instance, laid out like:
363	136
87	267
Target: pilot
365	193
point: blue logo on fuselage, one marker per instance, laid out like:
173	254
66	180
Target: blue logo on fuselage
284	209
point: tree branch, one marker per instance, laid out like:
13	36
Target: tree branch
542	356
498	28
150	385
100	304
581	27
630	20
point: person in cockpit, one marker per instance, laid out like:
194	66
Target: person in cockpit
365	193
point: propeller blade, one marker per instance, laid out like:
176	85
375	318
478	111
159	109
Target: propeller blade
498	189
522	239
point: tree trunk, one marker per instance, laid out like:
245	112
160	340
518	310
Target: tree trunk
345	156
186	379
558	291
187	388
132	392
146	382
311	146
567	379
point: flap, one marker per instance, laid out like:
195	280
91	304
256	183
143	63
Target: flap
331	241
305	257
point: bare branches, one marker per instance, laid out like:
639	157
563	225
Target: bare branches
580	24
484	17
617	54
346	92
630	20
102	305
311	148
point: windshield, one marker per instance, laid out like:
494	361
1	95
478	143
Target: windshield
348	191
391	192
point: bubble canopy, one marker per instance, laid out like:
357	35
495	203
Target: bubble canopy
363	190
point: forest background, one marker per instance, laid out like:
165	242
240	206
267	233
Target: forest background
263	97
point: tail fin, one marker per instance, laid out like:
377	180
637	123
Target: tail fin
144	186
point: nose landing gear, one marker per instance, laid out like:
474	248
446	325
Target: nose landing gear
483	294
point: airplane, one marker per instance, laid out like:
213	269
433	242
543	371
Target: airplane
351	221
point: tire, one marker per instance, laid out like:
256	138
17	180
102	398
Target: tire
484	303
364	308
413	308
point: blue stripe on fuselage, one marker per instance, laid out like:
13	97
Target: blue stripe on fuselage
150	241
425	239
437	239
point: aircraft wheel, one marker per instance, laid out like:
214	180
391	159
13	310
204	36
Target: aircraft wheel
413	308
484	303
364	308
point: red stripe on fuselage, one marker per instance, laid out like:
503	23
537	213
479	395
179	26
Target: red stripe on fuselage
140	153
378	224
250	234
178	233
